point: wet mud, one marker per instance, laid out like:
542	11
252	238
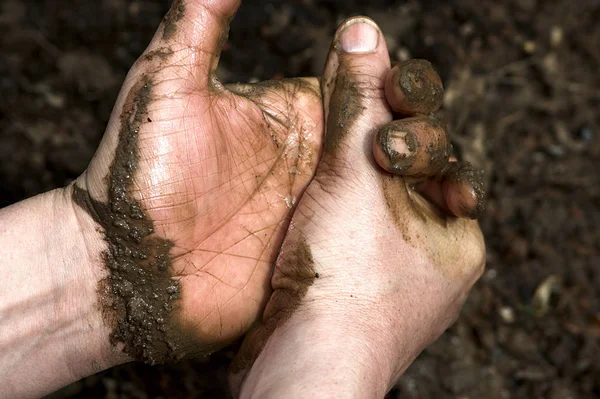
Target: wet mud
395	195
294	274
387	140
171	19
344	109
426	141
138	296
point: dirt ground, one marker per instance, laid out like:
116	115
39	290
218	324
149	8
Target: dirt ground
522	100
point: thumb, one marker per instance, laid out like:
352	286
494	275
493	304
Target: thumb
354	86
195	30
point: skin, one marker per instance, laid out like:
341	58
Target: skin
219	172
388	280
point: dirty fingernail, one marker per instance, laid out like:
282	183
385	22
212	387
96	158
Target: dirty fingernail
398	146
464	190
360	36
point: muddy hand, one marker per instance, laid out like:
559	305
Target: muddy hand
192	188
371	271
418	147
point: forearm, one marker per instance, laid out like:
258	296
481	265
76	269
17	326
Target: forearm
51	327
318	358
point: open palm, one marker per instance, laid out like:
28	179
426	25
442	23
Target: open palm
218	170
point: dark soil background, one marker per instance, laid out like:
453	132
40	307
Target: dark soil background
522	82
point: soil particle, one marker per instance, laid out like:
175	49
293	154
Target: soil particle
174	15
422	88
294	274
139	294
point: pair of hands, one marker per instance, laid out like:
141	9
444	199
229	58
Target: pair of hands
380	251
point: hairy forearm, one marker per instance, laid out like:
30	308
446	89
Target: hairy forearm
51	327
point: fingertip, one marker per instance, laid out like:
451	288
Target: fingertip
412	147
353	83
394	148
464	192
413	87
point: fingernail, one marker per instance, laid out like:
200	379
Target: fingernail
399	145
359	36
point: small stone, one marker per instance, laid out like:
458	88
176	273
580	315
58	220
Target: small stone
163	265
135	212
586	134
556	150
508	314
172	290
529	47
556	36
402	54
136	235
121	223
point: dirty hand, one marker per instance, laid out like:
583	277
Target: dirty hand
371	271
164	247
192	187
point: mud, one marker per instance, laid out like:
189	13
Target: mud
465	173
294	274
161	53
171	19
345	108
396	162
426	139
139	295
422	87
395	195
259	92
256	91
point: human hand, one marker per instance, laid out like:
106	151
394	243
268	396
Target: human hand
374	266
192	186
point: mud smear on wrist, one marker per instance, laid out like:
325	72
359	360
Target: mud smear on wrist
294	274
138	296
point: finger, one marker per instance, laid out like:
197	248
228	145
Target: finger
353	85
413	147
460	191
413	87
195	30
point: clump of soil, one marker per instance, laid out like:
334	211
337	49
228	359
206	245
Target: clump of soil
138	295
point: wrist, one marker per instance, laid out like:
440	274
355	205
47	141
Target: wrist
49	309
82	249
327	355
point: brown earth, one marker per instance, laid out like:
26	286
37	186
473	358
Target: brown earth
522	100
